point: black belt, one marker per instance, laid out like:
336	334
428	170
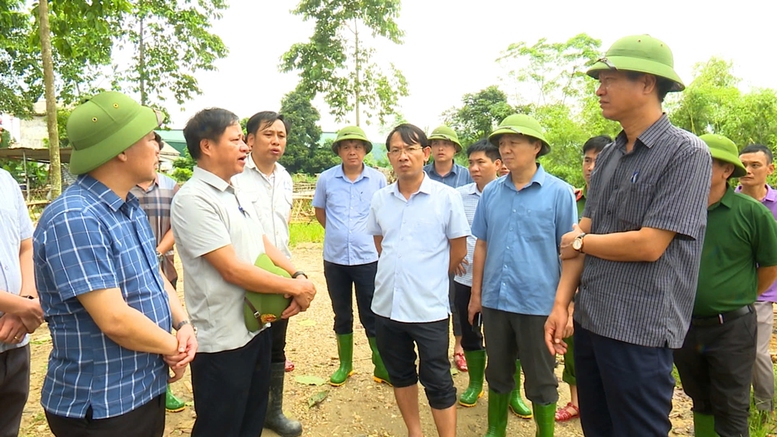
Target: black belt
722	317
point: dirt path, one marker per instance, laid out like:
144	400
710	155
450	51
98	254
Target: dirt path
359	408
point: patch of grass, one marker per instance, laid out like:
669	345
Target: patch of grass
311	232
761	424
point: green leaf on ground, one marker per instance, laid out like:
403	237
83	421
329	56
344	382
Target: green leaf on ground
307	323
309	380
317	398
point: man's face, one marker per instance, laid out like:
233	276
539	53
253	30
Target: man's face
482	168
589	162
503	170
518	151
142	158
268	143
352	152
443	151
758	168
618	95
407	160
229	152
720	173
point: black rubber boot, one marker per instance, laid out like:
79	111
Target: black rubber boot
275	419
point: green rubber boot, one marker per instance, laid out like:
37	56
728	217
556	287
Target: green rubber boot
345	353
476	362
380	374
545	419
703	425
497	414
517	405
172	403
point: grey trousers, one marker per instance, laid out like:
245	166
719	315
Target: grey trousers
763	369
14	389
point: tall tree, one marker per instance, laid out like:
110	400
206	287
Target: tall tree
20	71
304	153
337	60
51	101
479	114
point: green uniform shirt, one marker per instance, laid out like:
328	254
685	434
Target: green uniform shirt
580	197
741	234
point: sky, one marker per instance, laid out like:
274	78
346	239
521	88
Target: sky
450	47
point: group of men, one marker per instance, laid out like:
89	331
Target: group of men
659	275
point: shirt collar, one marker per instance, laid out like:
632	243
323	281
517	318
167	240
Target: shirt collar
727	200
771	193
339	173
471	188
252	165
454	169
210	179
426	187
105	194
649	137
538	178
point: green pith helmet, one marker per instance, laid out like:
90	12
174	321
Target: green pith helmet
640	53
105	126
445	133
351	133
524	125
725	150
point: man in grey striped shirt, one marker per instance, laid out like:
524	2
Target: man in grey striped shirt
641	233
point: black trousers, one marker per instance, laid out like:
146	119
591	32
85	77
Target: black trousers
507	336
397	342
14	388
624	389
231	389
278	346
148	420
716	368
340	281
470	340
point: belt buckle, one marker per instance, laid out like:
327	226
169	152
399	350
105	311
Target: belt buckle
720	318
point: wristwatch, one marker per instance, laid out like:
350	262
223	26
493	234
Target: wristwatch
160	257
299	273
578	243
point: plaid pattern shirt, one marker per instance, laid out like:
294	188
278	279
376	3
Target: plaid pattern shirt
90	239
156	201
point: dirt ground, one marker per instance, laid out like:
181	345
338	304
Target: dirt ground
359	408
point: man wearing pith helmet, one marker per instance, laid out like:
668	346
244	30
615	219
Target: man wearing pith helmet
109	308
635	254
342	205
738	262
445	145
518	223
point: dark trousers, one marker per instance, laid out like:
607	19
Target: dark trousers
470	340
278	333
624	389
716	367
509	335
397	342
14	388
455	319
148	420
340	280
231	389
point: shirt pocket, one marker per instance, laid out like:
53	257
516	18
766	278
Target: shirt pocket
633	202
540	225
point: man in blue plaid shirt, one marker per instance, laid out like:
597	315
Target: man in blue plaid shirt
108	306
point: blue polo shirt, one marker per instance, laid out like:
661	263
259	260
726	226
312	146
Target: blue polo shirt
523	229
90	239
347	206
458	176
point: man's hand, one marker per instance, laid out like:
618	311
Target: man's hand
292	310
178	373
12	329
30	313
461	269
305	292
567	252
187	347
474	307
555	330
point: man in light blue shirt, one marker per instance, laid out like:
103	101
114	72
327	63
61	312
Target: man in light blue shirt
342	204
519	223
420	232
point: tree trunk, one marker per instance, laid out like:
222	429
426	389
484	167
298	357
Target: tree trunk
55	174
357	85
142	64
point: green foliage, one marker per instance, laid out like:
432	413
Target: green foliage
337	63
479	114
303	151
36	173
183	167
311	232
21	78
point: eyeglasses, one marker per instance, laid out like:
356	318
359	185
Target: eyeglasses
396	152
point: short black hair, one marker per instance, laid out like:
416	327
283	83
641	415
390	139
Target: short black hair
596	143
663	85
755	148
263	120
207	124
485	146
410	134
158	140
